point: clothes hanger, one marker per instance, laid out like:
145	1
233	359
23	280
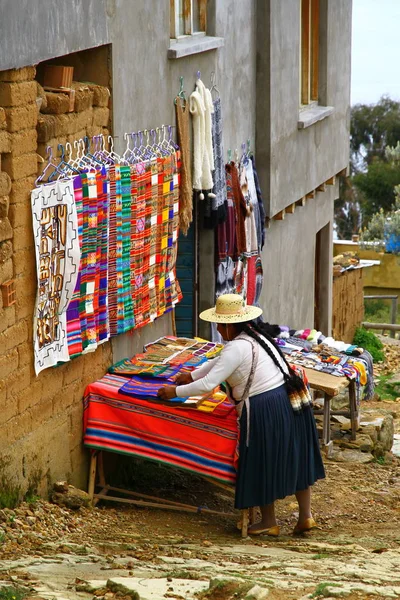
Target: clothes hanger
248	148
113	155
213	87
49	152
181	93
148	150
95	162
164	144
160	146
128	151
63	166
171	142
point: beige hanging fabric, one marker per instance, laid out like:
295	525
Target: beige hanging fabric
186	191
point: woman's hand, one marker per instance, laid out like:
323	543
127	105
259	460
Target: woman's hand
167	392
183	378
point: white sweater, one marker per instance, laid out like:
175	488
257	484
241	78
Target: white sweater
201	107
233	365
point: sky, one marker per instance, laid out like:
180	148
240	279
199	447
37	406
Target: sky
375	50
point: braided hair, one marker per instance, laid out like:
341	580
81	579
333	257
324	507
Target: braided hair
292	381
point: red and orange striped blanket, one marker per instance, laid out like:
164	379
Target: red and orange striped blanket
183	437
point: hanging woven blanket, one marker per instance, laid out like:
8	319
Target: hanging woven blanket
55	228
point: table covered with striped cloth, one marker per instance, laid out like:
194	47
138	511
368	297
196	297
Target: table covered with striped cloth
183	437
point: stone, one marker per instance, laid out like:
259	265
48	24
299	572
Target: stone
5	143
362	442
21	167
257	593
6	231
5	184
101	94
3	122
383	422
83	96
6	251
21	117
56	104
379	451
71	498
17	94
4	206
356	456
46	128
371	431
23	142
345	423
23	74
396	445
101	116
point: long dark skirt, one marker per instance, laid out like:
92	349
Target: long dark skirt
283	456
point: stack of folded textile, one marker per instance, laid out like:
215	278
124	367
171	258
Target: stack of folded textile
160	362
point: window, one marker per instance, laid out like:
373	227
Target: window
309	51
188	17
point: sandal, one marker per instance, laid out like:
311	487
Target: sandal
306	526
271	531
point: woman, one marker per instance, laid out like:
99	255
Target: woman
278	449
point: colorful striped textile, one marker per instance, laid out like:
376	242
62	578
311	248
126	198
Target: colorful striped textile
114	177
126	237
74	330
139	387
131	367
200	442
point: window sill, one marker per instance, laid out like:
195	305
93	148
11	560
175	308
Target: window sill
194	45
312	114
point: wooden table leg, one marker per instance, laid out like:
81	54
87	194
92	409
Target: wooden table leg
92	473
353	409
102	478
326	432
245	522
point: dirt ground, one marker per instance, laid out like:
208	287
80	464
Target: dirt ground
357	508
50	551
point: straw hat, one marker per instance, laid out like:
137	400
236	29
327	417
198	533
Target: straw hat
230	308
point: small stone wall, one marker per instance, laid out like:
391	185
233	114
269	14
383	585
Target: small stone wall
41	417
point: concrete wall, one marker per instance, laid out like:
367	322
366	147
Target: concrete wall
300	160
145	83
33	30
288	263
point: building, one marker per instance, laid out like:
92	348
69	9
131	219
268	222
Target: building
283	71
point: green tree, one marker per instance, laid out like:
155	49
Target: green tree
377	186
373	127
373	172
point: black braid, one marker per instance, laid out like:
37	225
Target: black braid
292	380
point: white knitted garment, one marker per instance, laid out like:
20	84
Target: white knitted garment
201	108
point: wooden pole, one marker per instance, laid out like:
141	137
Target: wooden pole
390	326
191	509
393	315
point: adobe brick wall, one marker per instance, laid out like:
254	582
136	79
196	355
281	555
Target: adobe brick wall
40	417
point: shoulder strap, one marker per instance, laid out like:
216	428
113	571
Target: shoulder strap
245	396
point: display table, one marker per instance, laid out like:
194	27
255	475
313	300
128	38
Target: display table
187	438
331	386
199	442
